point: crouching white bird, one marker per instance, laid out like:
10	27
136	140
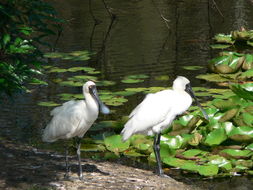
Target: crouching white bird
157	111
73	119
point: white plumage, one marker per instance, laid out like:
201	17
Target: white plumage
74	118
157	111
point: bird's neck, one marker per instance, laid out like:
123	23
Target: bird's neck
92	104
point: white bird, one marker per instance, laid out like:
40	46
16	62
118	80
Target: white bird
73	119
157	111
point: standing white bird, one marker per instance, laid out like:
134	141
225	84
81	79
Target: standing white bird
73	119
157	111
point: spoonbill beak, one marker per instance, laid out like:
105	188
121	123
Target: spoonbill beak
102	107
190	91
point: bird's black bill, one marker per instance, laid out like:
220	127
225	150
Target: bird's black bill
190	91
103	108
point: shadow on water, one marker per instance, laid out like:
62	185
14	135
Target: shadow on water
145	37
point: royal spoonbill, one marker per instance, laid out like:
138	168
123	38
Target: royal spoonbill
73	119
157	111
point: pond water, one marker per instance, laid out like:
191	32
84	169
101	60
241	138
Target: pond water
149	37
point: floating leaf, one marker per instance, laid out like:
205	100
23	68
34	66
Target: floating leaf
216	137
245	90
241	134
132	80
162	77
208	170
114	143
220	161
192	68
236	153
48	104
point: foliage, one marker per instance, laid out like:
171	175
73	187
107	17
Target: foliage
200	146
23	26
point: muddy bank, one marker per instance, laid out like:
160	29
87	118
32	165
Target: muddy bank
24	167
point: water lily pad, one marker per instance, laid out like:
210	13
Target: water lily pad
114	144
221	162
242	133
57	70
236	153
35	81
132	80
162	78
225	64
249	147
243	90
192	68
133	153
216	137
48	104
223	38
212	78
208	170
248	62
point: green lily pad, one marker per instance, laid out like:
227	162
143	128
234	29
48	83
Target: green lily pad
225	64
221	162
242	133
35	81
224	38
243	90
132	80
249	147
192	152
213	78
248	62
208	170
192	68
234	153
216	137
114	144
162	78
57	70
48	104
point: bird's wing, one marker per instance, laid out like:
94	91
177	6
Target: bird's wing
66	119
64	106
150	112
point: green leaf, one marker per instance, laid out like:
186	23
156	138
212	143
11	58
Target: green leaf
234	153
115	144
6	38
208	170
242	133
216	137
132	80
192	68
220	161
48	104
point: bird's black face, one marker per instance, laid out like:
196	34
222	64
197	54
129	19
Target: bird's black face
103	108
189	90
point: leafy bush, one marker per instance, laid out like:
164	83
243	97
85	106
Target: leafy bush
23	25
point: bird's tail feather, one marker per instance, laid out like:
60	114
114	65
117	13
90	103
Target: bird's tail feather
128	131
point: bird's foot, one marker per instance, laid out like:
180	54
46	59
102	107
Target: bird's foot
73	178
164	175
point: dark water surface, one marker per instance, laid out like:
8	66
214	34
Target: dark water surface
138	41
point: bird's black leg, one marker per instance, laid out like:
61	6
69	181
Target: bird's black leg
67	161
79	158
156	147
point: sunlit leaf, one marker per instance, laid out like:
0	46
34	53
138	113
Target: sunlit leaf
115	144
216	137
